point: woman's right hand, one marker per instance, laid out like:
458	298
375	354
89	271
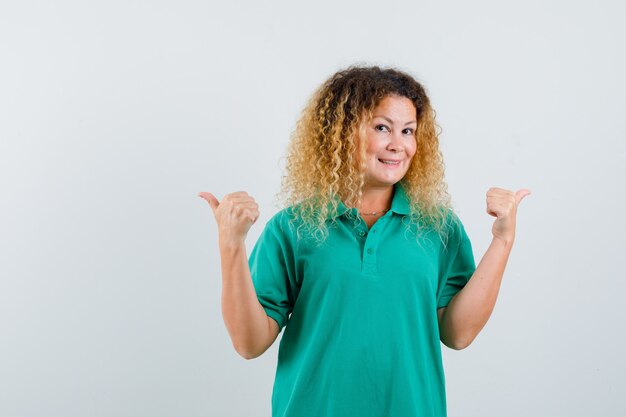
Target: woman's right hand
234	215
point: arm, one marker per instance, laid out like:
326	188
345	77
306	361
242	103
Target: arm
249	327
470	308
251	330
468	311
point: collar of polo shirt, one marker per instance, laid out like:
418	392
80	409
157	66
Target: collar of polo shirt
399	203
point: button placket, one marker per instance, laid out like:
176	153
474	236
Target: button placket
369	255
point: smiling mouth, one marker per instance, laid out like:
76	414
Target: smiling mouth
387	162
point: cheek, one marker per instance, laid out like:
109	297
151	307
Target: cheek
412	148
371	153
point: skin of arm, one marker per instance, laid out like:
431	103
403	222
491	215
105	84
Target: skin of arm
251	330
468	311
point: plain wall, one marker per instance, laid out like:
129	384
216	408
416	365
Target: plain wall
114	115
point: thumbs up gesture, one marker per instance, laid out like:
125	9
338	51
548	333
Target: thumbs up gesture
235	214
503	204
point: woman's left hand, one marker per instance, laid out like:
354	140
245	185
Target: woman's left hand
502	204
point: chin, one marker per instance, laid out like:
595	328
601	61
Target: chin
384	181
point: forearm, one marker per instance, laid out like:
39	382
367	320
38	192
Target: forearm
244	317
468	311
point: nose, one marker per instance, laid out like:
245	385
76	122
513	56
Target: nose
395	143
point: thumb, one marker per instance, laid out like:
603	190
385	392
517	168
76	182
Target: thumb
210	198
520	194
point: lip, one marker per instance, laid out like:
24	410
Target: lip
391	167
390	160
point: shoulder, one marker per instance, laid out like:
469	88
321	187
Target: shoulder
281	224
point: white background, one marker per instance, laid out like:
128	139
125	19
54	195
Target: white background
114	115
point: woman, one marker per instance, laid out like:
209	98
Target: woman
367	268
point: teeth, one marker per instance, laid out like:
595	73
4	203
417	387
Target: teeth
389	162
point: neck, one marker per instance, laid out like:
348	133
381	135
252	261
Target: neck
376	199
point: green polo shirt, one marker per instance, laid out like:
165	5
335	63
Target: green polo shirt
361	332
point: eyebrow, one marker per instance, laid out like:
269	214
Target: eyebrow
391	121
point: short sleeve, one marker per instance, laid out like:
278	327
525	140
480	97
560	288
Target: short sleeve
458	266
272	269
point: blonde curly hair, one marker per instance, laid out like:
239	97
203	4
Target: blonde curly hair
329	141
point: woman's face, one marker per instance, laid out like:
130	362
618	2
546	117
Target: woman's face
391	141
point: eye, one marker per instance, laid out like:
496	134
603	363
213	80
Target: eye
410	130
377	126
